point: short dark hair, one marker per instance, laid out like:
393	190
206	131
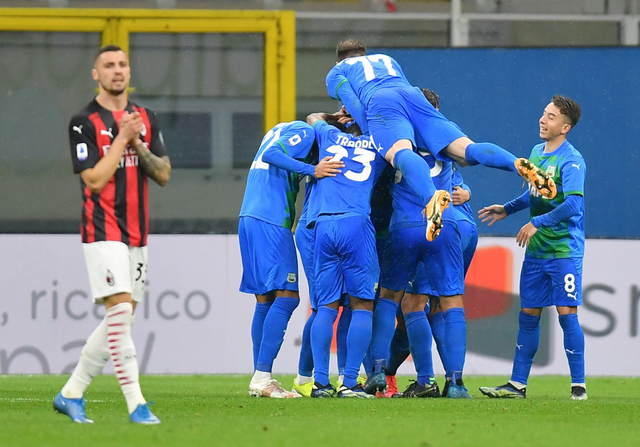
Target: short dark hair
352	128
106	49
432	97
350	48
568	107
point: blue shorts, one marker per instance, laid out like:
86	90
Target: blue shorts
395	114
304	242
345	254
551	282
469	241
269	260
406	248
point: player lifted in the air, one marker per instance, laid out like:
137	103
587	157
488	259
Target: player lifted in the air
552	268
269	261
376	92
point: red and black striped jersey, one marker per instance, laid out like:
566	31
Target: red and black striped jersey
120	212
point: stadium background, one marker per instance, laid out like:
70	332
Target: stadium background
219	78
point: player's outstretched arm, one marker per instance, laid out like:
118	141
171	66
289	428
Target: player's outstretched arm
492	214
98	176
158	168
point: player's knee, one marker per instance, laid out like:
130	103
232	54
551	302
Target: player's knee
393	295
451	302
413	302
360	304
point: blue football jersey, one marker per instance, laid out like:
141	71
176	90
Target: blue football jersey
365	74
349	191
271	192
407	206
464	211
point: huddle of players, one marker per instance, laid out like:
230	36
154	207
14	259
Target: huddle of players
343	260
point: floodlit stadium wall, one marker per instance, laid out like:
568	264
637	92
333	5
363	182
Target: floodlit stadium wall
194	319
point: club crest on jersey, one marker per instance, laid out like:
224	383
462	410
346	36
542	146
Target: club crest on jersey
110	279
291	278
551	170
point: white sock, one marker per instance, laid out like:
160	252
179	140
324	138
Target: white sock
341	378
95	354
583	385
301	380
519	386
123	353
261	377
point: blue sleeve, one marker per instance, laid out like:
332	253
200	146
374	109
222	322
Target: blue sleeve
517	204
570	207
276	156
353	105
573	175
334	80
297	140
325	133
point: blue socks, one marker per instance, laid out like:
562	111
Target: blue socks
526	347
455	338
399	351
573	346
419	333
384	324
341	337
321	335
437	327
275	325
305	364
417	173
259	314
358	340
490	155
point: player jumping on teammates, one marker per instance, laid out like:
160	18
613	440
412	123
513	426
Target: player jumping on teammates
375	90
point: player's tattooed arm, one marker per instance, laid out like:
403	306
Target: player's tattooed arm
158	168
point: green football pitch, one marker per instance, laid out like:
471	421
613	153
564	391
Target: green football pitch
217	411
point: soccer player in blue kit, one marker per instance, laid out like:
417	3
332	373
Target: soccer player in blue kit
344	252
552	268
270	264
375	87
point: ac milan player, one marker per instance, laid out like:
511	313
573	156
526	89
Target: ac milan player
115	146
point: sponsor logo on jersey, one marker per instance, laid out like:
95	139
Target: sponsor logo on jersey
107	132
110	279
291	277
78	129
82	152
143	132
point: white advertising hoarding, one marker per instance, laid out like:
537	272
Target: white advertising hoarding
194	319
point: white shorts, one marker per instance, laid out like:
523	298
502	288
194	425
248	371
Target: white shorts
115	268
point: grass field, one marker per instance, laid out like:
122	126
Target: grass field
217	411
